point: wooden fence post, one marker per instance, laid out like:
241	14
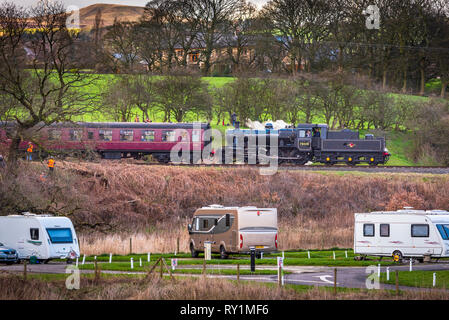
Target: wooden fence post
335	281
24	270
130	245
204	267
162	270
177	245
238	273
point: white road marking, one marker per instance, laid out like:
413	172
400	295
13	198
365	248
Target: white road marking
324	278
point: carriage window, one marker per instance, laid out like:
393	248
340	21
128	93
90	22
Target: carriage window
75	135
90	135
368	230
420	230
168	136
105	135
126	135
147	135
384	230
34	234
54	134
302	134
196	135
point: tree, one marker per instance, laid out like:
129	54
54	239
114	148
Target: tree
178	94
120	42
38	74
212	17
117	99
302	25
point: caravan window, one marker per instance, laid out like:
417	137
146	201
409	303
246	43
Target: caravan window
444	231
60	235
368	230
34	234
420	230
224	224
384	230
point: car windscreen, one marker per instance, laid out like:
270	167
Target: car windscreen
60	235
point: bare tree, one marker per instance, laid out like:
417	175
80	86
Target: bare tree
37	72
179	94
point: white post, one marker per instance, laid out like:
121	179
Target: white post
388	273
411	268
76	262
334	254
434	279
282	254
140	261
148	257
308	254
378	270
110	258
346	253
175	252
95	258
84	259
261	255
132	263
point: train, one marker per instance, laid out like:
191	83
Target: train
308	143
300	144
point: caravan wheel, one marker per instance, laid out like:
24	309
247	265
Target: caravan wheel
397	256
223	254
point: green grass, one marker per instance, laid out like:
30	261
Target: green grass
122	266
418	278
292	258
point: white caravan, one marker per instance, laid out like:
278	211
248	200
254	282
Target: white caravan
402	233
42	236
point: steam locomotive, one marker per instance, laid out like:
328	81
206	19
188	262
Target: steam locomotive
308	143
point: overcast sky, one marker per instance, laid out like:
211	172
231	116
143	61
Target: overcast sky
85	3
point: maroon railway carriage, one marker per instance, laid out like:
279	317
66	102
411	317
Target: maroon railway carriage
115	140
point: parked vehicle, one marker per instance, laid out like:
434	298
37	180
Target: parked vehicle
234	230
44	237
8	255
403	233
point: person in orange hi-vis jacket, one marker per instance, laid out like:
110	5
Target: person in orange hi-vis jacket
51	164
30	151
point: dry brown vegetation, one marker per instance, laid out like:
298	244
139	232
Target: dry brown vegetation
111	201
119	288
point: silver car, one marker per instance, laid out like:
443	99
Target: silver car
8	255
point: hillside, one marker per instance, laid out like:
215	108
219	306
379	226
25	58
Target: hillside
108	13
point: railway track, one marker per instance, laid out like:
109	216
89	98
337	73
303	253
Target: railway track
290	167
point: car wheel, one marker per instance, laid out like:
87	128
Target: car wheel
193	251
223	254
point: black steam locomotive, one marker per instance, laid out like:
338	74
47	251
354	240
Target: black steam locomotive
308	143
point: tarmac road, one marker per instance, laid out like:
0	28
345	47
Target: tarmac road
349	277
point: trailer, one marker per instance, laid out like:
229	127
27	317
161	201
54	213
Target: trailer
44	237
404	233
234	230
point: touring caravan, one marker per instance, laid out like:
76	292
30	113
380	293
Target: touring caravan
45	237
403	233
233	229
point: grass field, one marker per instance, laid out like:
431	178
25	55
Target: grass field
418	278
291	258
